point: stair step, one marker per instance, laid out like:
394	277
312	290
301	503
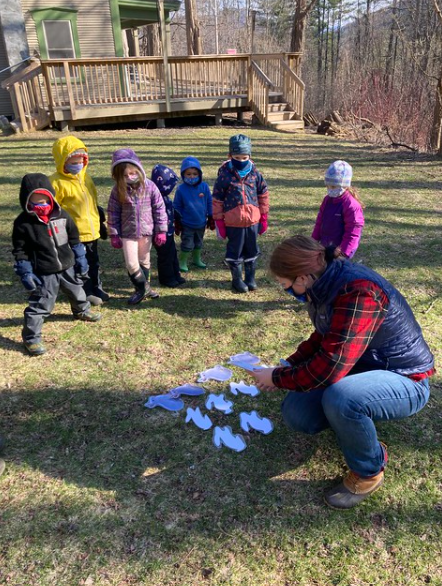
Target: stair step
279	107
285	115
287	125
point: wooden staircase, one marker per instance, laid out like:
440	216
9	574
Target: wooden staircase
281	116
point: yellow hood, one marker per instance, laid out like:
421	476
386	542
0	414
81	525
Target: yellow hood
63	148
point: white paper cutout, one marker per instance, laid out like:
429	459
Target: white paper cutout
244	357
248	365
220	403
250	390
165	401
200	420
218	372
187	389
255	421
225	436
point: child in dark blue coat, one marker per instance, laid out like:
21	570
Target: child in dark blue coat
167	259
193	212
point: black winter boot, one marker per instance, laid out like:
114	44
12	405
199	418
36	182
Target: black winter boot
238	284
249	270
149	291
139	281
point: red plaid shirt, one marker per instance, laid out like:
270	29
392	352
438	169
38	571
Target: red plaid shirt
320	361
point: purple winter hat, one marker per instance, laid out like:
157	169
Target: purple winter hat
126	156
339	174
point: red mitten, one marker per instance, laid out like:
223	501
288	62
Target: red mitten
263	224
221	231
116	242
160	239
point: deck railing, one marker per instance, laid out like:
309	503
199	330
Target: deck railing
293	89
259	91
55	86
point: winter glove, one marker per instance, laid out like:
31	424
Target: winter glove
263	224
210	223
178	226
116	242
221	231
103	229
23	268
160	239
81	266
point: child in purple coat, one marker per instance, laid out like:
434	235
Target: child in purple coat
136	217
340	219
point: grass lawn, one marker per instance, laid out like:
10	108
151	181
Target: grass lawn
101	491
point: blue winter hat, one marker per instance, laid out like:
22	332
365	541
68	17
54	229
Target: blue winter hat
339	174
164	178
240	144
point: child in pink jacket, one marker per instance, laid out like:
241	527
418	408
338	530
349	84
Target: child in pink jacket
340	219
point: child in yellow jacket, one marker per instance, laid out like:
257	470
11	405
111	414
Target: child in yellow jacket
76	193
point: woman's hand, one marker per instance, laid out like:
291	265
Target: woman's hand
263	378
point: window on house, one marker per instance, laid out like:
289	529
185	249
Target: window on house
59	39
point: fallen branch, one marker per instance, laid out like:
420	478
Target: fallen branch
398	144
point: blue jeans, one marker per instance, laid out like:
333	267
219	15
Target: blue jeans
351	406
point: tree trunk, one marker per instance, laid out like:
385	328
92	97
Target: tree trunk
194	46
436	132
302	10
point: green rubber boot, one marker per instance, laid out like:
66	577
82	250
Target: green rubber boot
183	256
197	259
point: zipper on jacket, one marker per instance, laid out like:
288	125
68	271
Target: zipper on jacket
51	229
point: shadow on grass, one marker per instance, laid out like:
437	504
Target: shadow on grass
164	489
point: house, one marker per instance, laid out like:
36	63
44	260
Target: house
68	29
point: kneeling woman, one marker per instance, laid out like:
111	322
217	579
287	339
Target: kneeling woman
366	361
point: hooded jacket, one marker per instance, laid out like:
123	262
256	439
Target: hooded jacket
193	203
46	246
76	194
240	202
339	223
143	212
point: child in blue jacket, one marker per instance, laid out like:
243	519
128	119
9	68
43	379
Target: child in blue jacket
193	212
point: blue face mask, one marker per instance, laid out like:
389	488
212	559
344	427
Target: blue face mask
302	298
243	167
191	180
73	168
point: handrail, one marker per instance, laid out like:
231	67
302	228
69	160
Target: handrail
259	88
293	90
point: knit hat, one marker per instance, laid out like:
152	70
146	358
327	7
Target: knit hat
75	153
164	178
126	156
339	174
240	144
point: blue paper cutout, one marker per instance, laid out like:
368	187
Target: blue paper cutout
225	436
218	372
165	401
250	390
255	421
200	420
220	403
187	389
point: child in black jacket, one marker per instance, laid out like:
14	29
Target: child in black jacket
48	256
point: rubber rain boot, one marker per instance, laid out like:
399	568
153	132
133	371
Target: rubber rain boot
197	259
149	291
139	281
249	270
238	284
183	257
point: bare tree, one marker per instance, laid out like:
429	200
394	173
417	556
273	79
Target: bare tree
302	11
436	131
194	45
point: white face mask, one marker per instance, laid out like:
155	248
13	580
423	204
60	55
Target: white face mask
132	179
335	191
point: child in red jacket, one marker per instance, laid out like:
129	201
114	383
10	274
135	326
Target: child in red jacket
240	211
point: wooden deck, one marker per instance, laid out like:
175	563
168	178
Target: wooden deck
89	91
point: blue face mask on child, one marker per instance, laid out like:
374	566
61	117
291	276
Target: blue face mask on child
191	180
302	298
243	167
73	168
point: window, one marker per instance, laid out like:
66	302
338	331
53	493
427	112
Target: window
57	33
59	39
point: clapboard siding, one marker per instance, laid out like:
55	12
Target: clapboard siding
94	25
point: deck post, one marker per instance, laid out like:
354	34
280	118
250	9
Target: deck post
160	5
161	123
218	119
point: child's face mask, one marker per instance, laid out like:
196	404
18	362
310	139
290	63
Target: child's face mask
335	191
73	168
191	180
241	165
132	178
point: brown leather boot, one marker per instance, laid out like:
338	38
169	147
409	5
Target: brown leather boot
353	490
